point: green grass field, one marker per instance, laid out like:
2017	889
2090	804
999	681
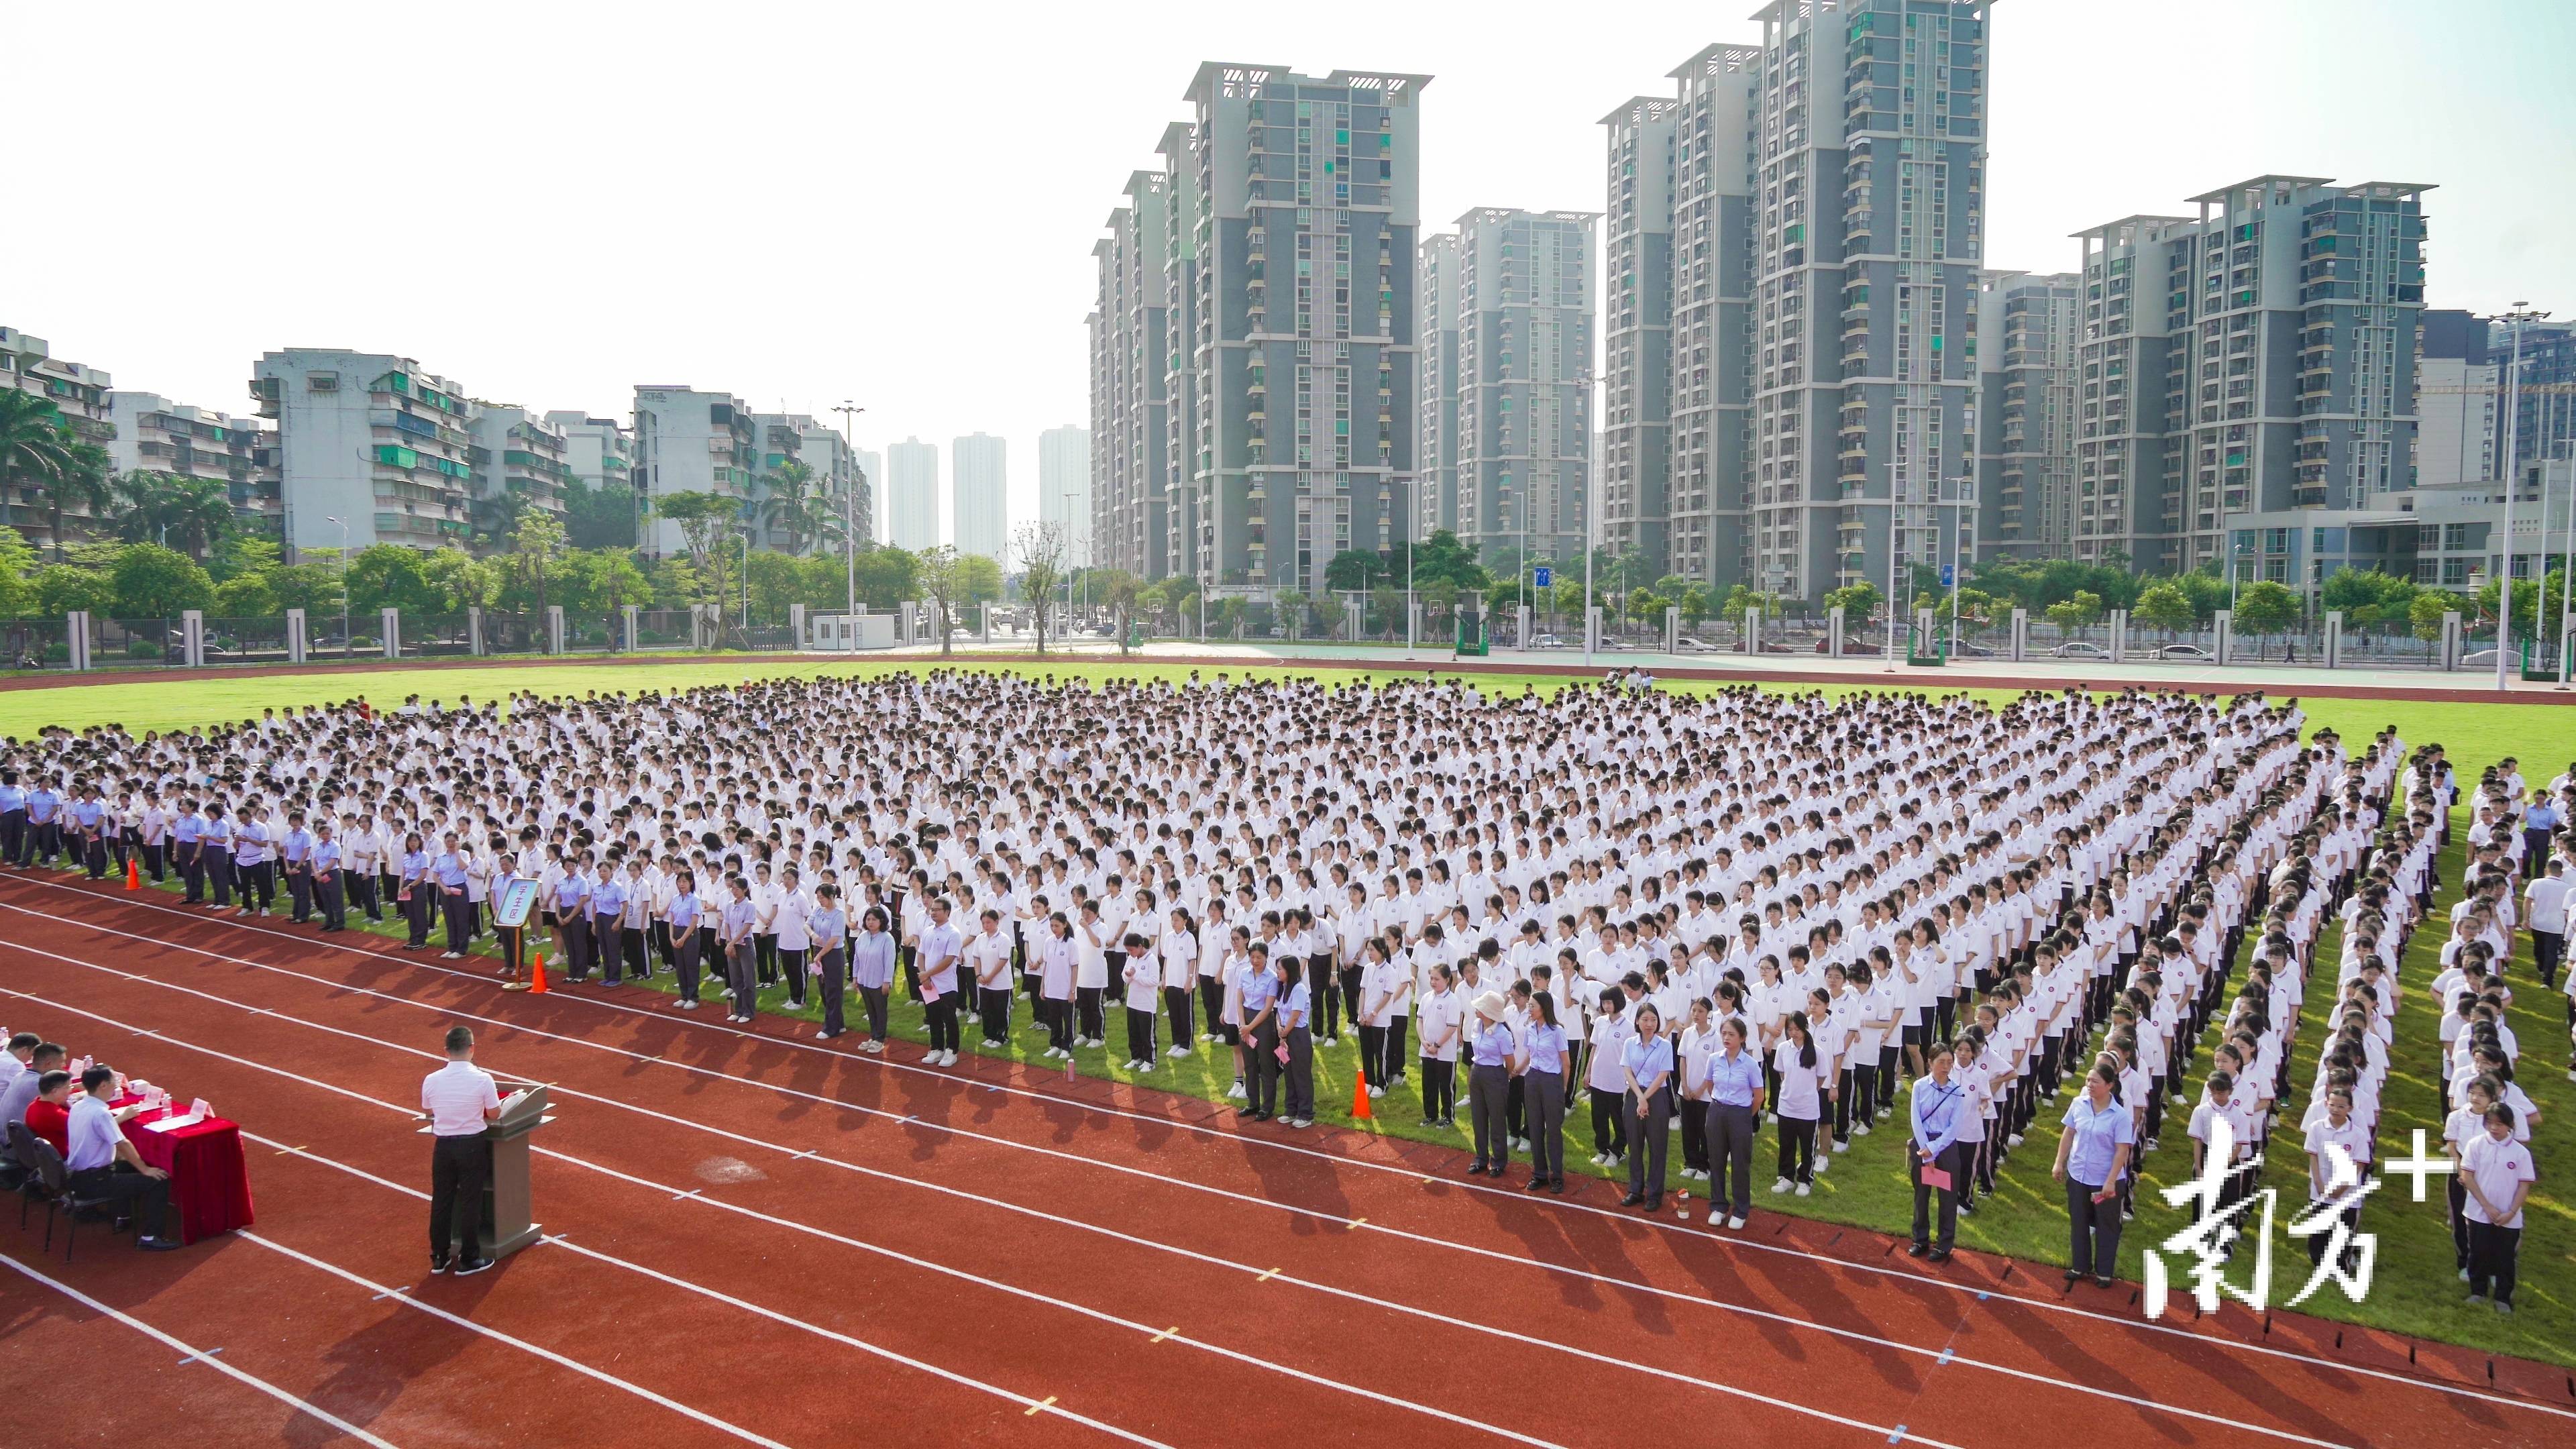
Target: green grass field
2415	1290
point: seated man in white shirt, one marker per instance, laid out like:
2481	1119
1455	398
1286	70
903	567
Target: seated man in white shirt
104	1165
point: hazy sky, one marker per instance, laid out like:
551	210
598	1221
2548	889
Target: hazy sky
552	202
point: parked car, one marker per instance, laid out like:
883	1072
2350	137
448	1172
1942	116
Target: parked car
2190	652
1971	646
2080	649
2479	659
1548	641
1689	645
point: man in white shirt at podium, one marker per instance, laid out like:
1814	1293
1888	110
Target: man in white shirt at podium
461	1101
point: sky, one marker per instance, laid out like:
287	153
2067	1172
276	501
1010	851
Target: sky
895	205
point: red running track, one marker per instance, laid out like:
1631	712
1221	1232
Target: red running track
1123	1255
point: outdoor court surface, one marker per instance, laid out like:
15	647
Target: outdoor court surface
757	1240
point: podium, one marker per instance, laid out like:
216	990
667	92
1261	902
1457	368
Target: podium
506	1202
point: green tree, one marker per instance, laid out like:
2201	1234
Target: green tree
600	582
165	508
2084	607
388	576
1355	569
17	570
2265	607
1857	601
2164	605
707	522
458	581
789	503
36	442
775	582
1039	548
83	484
312	583
61	588
1441	558
533	547
601	517
979	580
937	572
887	577
237	554
152	582
245	596
1124	593
2424	615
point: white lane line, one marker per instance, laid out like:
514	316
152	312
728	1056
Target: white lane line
1221	1351
301	1405
521	1344
2142	1404
1723	1243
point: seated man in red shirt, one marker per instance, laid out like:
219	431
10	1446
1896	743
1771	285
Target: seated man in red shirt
50	1115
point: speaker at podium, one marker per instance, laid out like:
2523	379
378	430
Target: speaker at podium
508	1208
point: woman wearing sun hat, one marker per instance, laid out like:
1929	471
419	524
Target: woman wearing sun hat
1489	1087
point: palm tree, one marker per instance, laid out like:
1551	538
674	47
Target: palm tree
497	517
35	443
790	504
152	507
83	481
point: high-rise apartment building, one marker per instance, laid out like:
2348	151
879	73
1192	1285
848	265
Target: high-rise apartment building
687	441
1868	237
1285	220
81	393
1507	453
912	494
157	435
836	494
1136	357
979	489
2249	374
1436	331
2028	330
1677	367
1064	489
370	449
2459	422
522	463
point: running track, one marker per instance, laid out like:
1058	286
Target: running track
753	1240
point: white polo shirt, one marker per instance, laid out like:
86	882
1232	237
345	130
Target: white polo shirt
2496	1166
456	1096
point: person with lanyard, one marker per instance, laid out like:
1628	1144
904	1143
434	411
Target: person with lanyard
572	921
1938	1109
413	893
323	862
90	827
187	849
44	839
214	843
296	851
1544	1067
634	920
252	865
872	972
988	960
1489	1082
13	820
461	1102
1260	991
152	834
450	869
104	1167
1296	1011
2092	1156
1732	1089
1647	1063
792	940
941	948
827	927
681	916
734	935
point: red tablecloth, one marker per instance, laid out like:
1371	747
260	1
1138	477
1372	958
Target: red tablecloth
209	1183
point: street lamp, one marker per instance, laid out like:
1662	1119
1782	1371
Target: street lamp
2522	315
345	648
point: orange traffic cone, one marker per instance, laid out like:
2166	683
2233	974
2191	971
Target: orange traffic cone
537	976
1360	1099
133	875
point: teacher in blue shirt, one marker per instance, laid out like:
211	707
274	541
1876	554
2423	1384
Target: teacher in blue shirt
1648	1060
1933	1154
1734	1107
2090	1158
1489	1083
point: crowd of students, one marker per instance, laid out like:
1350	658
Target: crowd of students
1690	920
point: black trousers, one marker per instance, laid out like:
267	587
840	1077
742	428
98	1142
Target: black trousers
1092	1002
1948	1161
829	980
1057	1013
1140	1034
1654	1139
2093	1229
460	918
943	1023
1176	1005
1487	1089
993	1003
1301	1073
1694	1135
362	889
416	913
2493	1252
1263	1048
1439	1090
147	1199
1212	1003
1373	1054
1730	1156
13	836
630	940
220	876
327	896
685	964
744	983
1544	1092
874	999
192	870
1319	990
258	884
299	892
576	943
457	1167
1609	1121
1798	1149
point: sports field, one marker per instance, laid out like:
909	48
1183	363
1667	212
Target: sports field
1866	1187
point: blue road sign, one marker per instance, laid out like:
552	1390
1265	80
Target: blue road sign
1945	576
1542	575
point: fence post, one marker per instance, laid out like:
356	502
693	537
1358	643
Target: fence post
2334	639
2223	627
2020	634
76	639
629	617
393	633
1753	629
1672	629
297	641
1834	631
474	630
554	629
1591	628
2119	635
796	626
192	637
2450	638
1353	620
